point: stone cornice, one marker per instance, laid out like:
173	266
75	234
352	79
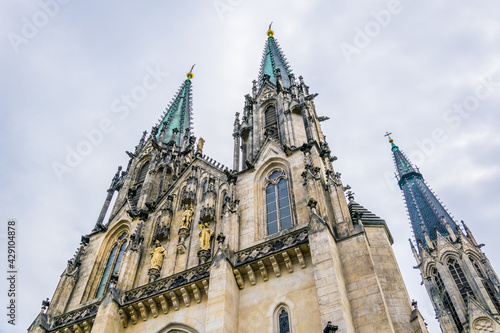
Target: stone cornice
272	246
171	282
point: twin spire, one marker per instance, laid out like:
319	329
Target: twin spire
427	215
177	120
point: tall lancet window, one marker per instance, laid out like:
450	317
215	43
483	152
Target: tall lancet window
283	321
271	121
278	213
112	264
486	283
461	281
141	175
443	294
205	187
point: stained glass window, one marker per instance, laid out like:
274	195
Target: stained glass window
107	270
448	305
461	281
278	213
272	121
143	172
112	264
284	322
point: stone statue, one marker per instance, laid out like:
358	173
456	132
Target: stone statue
199	148
206	235
187	217
157	255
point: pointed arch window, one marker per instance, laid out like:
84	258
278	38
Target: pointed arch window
141	175
224	207
447	303
112	264
278	213
477	267
271	120
486	283
283	321
460	280
205	186
136	195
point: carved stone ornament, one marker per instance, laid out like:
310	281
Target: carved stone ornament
161	286
140	214
203	256
136	239
74	316
329	328
483	325
183	234
275	245
154	274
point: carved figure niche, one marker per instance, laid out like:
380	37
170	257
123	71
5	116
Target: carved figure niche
162	229
209	197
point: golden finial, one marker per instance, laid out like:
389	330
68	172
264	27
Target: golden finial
190	74
270	33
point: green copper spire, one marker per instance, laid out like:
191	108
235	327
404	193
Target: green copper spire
177	119
273	59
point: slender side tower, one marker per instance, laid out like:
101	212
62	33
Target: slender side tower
461	283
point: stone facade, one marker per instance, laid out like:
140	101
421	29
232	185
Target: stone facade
285	251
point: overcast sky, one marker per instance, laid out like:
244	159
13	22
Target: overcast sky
378	66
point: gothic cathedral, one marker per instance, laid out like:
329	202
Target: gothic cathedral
462	285
269	245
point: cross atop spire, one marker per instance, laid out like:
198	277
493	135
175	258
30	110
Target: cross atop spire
273	59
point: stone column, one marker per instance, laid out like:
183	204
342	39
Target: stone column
305	117
128	269
236	156
453	292
107	318
105	206
223	297
330	286
230	228
289	126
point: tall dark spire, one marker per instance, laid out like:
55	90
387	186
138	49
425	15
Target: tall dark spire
427	214
272	59
177	120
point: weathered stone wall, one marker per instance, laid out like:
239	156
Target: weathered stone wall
390	278
296	291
